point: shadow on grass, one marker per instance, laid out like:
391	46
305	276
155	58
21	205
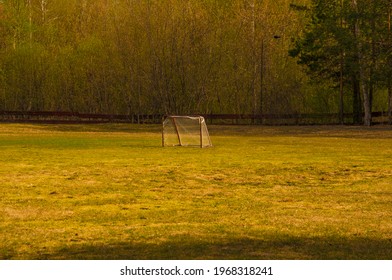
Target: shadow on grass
279	247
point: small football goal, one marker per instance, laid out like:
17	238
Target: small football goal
185	131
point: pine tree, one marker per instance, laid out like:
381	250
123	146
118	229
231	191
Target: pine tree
343	43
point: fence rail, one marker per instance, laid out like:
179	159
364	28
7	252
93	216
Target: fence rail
267	119
74	117
294	119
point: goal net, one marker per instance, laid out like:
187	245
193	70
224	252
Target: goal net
185	131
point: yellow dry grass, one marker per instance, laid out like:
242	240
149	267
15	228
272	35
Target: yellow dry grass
111	192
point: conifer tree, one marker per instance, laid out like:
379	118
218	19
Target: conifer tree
344	42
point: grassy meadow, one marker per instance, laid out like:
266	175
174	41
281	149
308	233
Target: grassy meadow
112	192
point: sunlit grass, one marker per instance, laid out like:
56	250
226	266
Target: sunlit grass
112	192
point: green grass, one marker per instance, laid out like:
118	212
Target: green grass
111	192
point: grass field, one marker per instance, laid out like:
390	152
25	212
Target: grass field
112	192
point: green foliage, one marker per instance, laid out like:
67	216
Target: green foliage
322	41
150	56
347	42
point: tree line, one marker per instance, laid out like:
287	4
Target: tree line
193	56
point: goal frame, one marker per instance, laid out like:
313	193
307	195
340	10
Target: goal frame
202	132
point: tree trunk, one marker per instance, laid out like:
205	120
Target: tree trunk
255	62
357	104
364	82
389	77
341	84
261	81
367	104
389	101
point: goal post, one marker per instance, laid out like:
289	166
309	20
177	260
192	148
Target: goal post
185	131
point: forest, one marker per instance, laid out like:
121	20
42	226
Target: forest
197	56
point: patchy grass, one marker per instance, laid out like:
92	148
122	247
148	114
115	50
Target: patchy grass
111	192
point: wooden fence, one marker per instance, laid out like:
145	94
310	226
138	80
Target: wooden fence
265	119
293	119
74	117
